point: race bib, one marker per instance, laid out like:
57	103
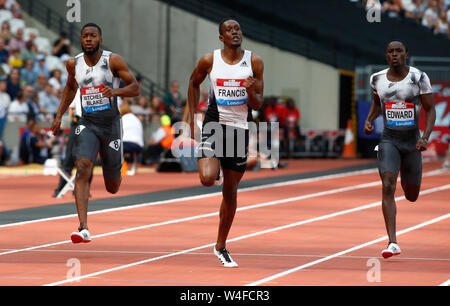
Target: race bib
400	114
230	92
92	99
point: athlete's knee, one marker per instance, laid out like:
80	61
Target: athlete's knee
389	186
112	186
84	168
207	179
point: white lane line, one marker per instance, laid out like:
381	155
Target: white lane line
428	191
276	202
196	197
307	196
447	283
409	229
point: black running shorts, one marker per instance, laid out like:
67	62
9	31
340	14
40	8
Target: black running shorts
106	139
228	144
397	153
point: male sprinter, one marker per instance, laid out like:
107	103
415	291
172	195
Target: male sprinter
398	93
236	78
97	73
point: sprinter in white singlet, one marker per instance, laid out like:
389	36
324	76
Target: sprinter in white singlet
398	94
236	77
96	73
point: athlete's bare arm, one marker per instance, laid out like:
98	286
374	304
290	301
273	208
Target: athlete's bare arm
68	95
427	102
120	69
375	111
199	74
255	85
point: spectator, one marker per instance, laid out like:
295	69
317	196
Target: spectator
421	6
14	59
441	26
13	83
18	110
409	7
4	53
28	53
17	41
133	137
430	16
23	151
61	45
64	58
4	154
27	74
48	102
161	140
33	105
35	145
40	82
291	118
6	32
5	101
173	102
273	111
40	66
16	10
448	14
55	79
156	107
391	8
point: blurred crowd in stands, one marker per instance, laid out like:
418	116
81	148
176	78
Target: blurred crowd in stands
32	79
432	14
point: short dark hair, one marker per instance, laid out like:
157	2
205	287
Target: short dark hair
222	22
91	24
397	40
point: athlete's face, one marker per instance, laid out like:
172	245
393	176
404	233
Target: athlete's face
90	40
396	54
231	34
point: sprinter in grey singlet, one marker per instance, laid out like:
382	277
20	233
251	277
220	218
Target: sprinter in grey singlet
398	94
97	74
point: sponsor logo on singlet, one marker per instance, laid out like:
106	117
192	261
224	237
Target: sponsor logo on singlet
92	99
400	114
230	92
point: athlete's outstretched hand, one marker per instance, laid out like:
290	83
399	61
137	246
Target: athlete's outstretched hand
368	127
107	91
421	145
249	84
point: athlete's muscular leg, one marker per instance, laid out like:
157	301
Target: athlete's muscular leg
84	171
228	207
208	169
389	182
411	175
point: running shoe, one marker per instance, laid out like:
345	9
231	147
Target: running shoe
225	258
219	179
392	249
81	236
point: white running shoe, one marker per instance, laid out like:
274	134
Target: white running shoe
392	249
81	236
225	258
219	179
